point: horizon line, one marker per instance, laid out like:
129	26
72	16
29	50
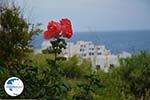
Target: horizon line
111	31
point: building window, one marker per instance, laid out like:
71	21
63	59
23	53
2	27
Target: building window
92	48
99	53
98	48
90	54
81	49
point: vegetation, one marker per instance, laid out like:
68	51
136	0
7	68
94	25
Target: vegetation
135	72
15	35
118	83
48	77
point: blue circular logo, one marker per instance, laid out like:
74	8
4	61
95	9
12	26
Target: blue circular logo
13	86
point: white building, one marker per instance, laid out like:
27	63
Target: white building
97	54
85	49
106	61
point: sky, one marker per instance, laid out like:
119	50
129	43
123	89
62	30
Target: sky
91	15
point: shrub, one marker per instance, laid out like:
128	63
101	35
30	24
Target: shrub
135	72
15	35
88	86
72	69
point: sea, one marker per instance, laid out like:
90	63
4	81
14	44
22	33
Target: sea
116	41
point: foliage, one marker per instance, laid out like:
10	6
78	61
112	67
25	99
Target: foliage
87	88
135	72
123	82
42	76
49	77
56	86
72	69
15	35
27	73
112	89
40	60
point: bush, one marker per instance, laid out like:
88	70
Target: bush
72	69
27	73
15	35
88	86
135	73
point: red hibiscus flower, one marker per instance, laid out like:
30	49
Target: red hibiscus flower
47	35
66	28
53	30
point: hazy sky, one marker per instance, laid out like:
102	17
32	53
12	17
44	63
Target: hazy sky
91	15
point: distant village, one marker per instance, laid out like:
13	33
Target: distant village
99	55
